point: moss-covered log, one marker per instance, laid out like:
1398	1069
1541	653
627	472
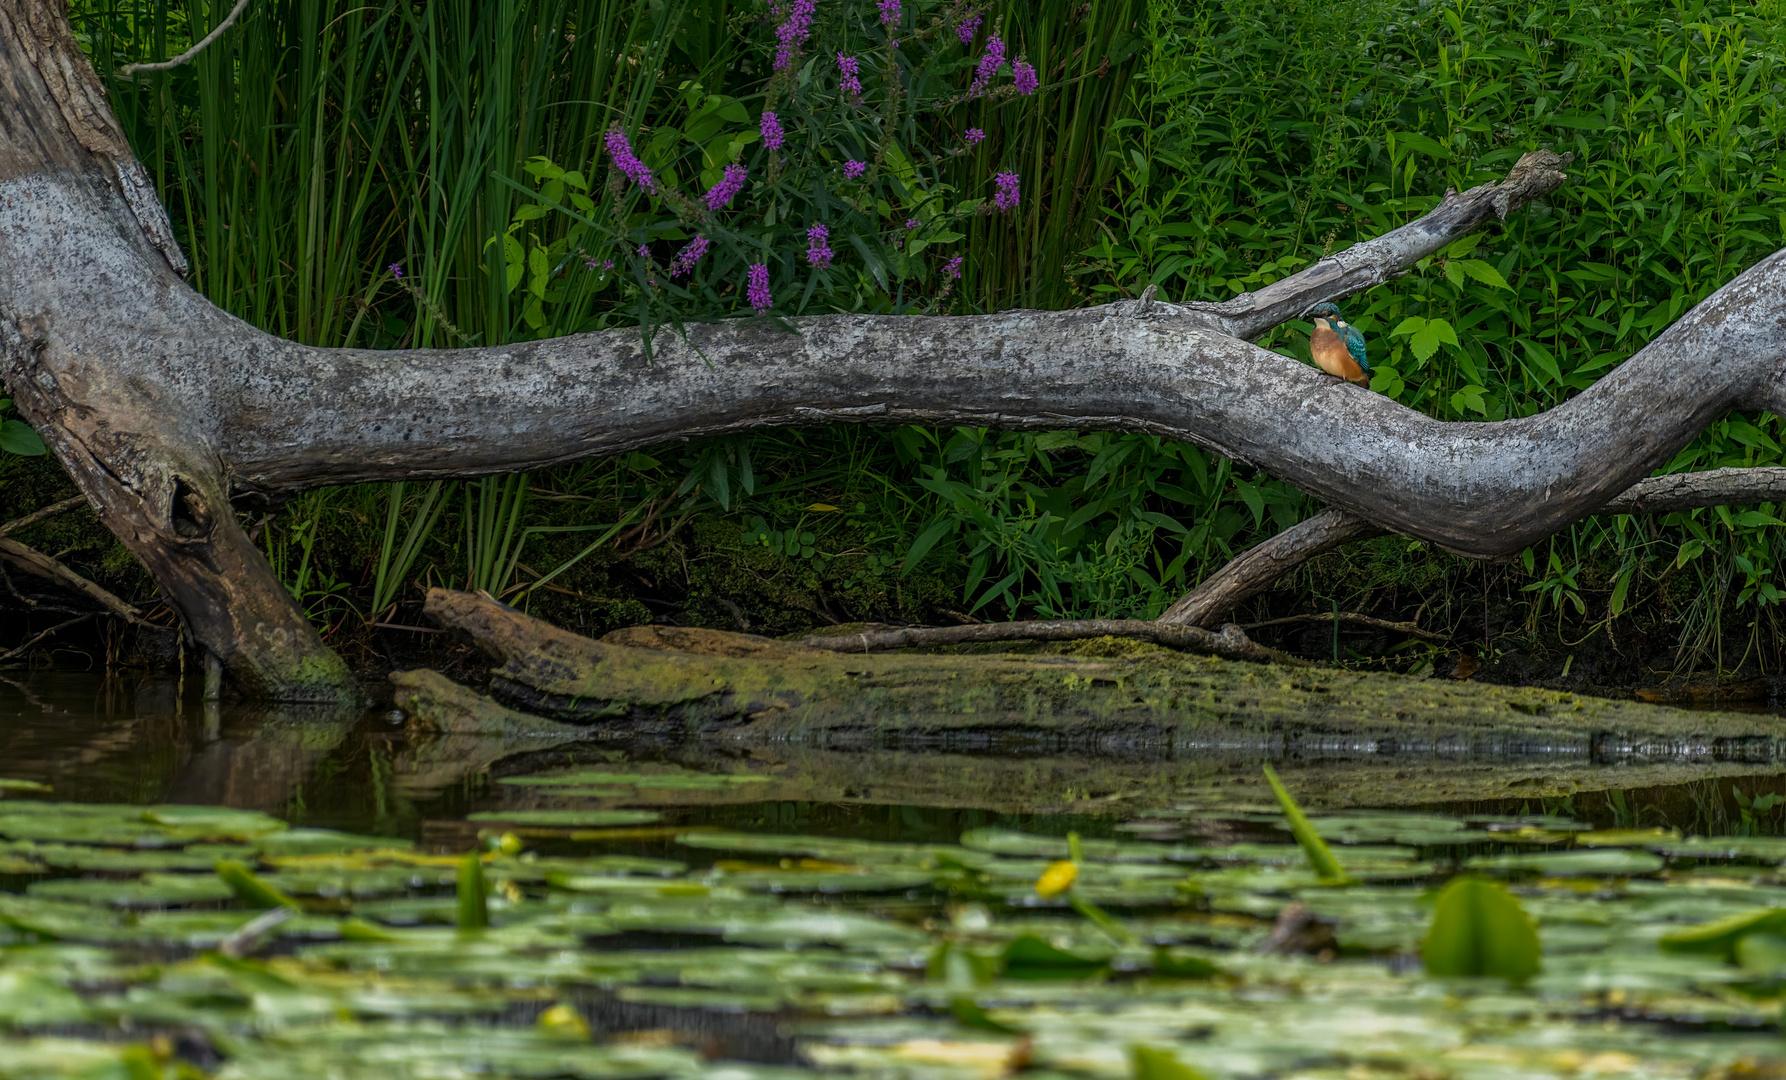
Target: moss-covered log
1109	696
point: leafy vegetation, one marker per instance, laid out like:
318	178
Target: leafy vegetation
388	175
186	942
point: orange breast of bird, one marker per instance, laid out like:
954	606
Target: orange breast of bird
1330	352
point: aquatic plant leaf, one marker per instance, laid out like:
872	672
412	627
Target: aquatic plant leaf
215	822
1720	936
250	889
1608	862
293	842
1762	953
567	818
151	890
968	1013
1479	928
599	778
1029	956
8	783
1627	837
867	852
473	911
1419	830
1011	842
1149	1063
1178	964
1326	867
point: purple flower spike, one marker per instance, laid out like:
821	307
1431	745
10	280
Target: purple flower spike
1027	80
795	28
889	12
966	30
818	247
691	253
396	270
644	251
757	287
854	170
975	136
993	59
770	127
850	80
911	223
1007	197
952	268
607	264
720	195
628	162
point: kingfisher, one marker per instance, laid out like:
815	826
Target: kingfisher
1338	346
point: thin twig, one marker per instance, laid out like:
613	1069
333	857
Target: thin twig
1232	642
20	651
131	70
1354	619
47	512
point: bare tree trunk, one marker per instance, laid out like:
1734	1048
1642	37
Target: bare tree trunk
164	408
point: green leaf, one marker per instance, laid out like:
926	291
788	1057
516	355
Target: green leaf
1544	363
1172	965
473	911
969	1014
16	437
1479	928
1483	272
251	890
1720	936
1030	957
1413	324
922	545
1147	1063
1326	867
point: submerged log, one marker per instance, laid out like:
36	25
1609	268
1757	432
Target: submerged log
1106	696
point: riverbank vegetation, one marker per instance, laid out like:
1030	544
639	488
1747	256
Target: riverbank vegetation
382	176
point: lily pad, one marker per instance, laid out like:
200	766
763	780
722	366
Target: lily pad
1611	862
567	818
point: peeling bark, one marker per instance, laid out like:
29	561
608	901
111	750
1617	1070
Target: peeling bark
165	409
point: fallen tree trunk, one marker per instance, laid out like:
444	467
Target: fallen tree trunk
676	681
164	409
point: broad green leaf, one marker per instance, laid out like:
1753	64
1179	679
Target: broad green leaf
251	890
1326	867
1483	272
17	437
1479	928
1029	957
473	911
1149	1063
1720	936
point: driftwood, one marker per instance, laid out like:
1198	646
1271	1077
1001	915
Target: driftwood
679	682
167	411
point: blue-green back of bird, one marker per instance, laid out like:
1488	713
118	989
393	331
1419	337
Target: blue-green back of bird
1355	346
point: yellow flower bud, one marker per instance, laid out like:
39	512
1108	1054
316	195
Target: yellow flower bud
562	1019
1057	879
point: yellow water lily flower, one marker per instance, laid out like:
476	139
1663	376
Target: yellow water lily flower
1057	879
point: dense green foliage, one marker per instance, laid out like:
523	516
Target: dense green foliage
1206	148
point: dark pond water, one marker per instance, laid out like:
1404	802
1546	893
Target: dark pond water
670	910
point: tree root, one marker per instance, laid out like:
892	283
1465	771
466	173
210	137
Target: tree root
32	561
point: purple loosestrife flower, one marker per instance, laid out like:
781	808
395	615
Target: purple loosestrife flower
818	247
770	127
720	195
889	12
850	78
993	59
691	253
628	162
396	270
911	223
1027	81
952	268
975	136
966	29
757	288
854	170
1006	198
644	251
795	28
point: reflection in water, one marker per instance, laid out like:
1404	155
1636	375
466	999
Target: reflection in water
131	738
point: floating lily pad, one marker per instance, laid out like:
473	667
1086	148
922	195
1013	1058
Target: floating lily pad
1609	862
661	781
566	818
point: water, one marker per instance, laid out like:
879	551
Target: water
663	909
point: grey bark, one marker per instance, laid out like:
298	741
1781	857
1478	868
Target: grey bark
1231	642
1257	568
164	409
